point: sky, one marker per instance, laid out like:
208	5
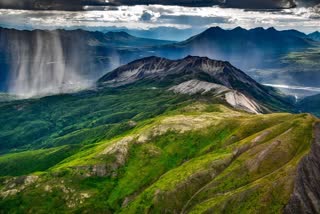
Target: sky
79	4
159	18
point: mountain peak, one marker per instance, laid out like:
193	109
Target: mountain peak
314	36
257	29
190	57
272	29
119	34
239	29
158	68
169	73
214	30
315	33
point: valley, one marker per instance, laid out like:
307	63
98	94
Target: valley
170	120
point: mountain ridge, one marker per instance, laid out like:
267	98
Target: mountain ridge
265	47
99	53
175	72
315	36
151	145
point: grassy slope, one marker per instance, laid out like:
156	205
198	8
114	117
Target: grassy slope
197	158
83	118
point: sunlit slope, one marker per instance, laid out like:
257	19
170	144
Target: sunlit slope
82	118
198	158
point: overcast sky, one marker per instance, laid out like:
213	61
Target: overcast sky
78	4
189	19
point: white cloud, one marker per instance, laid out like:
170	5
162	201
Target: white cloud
145	17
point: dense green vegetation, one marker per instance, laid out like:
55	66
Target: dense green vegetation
83	118
190	156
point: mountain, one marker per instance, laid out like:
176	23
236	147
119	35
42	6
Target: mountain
41	62
220	73
310	104
295	33
263	46
80	57
142	148
159	135
276	57
53	121
315	36
121	38
162	32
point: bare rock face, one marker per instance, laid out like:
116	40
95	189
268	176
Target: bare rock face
234	98
195	86
13	186
306	195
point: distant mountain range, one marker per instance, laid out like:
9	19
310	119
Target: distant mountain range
88	55
262	46
315	36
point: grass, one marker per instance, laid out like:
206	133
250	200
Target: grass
230	179
81	118
196	156
23	163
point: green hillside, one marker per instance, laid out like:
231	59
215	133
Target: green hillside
146	150
83	118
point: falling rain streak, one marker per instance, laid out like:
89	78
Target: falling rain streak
40	67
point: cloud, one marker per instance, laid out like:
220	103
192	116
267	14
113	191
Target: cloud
81	4
160	16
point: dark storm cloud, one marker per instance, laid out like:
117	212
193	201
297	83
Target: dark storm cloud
258	4
41	5
81	4
307	3
261	4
